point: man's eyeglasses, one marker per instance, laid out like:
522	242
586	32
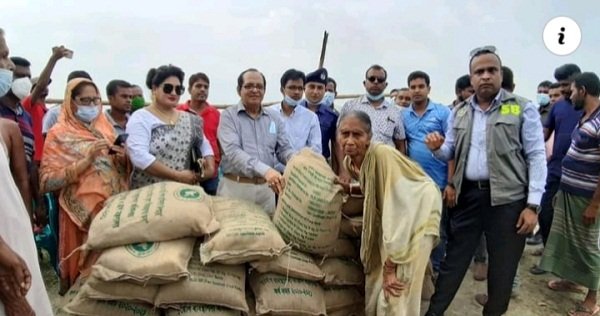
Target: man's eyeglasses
482	49
374	79
253	86
168	88
89	101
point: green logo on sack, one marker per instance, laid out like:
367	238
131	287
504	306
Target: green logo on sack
143	249
188	194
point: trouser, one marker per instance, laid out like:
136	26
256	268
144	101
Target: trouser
438	253
481	251
472	217
260	194
547	209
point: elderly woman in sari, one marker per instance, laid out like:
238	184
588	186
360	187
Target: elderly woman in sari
165	144
402	212
81	163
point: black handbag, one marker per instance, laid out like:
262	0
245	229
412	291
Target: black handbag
196	159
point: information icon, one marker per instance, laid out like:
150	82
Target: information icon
562	36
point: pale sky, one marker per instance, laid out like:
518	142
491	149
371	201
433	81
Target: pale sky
123	39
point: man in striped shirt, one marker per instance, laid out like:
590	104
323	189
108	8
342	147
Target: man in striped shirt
572	251
12	110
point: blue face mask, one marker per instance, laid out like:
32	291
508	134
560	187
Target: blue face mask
375	98
87	113
543	99
291	102
329	98
6	79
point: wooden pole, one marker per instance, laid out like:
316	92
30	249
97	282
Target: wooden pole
323	49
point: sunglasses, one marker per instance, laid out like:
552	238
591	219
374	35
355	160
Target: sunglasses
168	88
374	79
482	49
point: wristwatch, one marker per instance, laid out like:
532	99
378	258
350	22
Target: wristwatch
534	207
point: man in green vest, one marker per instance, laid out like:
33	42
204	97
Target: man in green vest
496	141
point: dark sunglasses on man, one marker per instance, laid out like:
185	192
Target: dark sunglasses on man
168	88
374	79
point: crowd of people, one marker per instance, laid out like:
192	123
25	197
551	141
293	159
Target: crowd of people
491	164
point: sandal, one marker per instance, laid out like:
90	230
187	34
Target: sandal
565	286
581	310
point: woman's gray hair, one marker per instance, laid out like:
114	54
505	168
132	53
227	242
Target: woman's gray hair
361	116
1	32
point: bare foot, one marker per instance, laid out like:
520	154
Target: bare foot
582	310
565	286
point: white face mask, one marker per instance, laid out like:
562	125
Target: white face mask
543	99
6	80
291	102
21	87
375	98
87	113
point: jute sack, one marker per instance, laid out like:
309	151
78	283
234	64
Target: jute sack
309	210
201	310
120	291
158	212
353	206
214	284
80	304
341	248
278	295
146	263
351	226
342	298
293	263
246	234
342	272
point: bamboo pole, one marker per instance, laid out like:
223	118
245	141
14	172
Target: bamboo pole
323	49
51	102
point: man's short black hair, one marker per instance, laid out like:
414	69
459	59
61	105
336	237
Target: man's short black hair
198	76
292	74
114	85
545	84
566	72
240	79
79	74
20	61
484	52
376	67
418	75
508	82
555	85
588	81
462	83
331	80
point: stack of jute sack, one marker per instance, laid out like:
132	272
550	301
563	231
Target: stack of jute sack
149	260
165	272
169	249
319	275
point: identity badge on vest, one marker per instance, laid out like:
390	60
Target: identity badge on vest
272	128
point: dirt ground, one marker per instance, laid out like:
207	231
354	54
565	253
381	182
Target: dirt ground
534	299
